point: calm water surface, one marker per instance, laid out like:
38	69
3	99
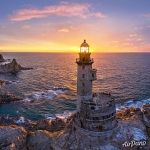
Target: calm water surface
50	88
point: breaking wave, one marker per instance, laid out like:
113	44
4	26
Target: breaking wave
46	95
64	116
132	103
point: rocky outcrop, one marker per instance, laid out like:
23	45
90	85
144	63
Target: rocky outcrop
59	134
146	117
1	58
7	66
12	138
40	140
7	98
75	138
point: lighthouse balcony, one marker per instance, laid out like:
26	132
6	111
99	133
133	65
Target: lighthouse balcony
80	61
96	106
96	119
103	110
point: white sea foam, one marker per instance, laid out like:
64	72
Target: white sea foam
132	103
64	116
21	120
4	63
45	95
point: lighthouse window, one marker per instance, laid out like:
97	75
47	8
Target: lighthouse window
92	107
105	117
83	84
83	91
95	118
92	75
83	75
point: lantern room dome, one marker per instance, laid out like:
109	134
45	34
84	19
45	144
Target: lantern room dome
84	44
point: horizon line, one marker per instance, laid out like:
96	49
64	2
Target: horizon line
71	52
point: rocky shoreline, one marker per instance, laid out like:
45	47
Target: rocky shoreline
63	134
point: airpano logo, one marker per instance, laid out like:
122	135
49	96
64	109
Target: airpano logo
134	143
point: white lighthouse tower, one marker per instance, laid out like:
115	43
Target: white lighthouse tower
96	111
85	74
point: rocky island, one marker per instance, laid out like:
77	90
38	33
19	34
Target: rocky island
8	66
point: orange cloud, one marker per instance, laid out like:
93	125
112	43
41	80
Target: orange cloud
63	9
63	30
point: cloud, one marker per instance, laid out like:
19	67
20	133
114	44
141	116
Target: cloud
147	15
63	30
63	9
26	27
133	35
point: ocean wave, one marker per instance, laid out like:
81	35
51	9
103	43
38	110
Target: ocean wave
7	82
46	95
132	103
64	116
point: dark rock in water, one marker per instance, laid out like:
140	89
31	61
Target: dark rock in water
26	68
5	121
14	67
1	58
7	98
11	67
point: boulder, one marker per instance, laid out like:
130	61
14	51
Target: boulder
12	138
50	125
39	140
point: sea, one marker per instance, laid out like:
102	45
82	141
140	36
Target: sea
49	89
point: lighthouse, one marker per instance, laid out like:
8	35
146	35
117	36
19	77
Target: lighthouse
85	74
96	111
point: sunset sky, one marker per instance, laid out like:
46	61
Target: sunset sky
61	26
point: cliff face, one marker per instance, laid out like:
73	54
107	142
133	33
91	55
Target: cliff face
61	134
